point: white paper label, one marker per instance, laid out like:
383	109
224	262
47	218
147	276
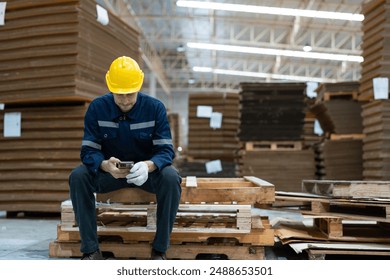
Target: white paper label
204	111
2	12
216	120
102	15
381	88
12	124
213	166
317	128
2	105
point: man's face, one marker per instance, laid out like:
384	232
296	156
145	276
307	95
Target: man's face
125	101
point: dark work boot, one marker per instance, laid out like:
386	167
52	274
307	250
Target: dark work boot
97	255
157	255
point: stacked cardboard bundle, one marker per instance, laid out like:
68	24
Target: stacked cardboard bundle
53	60
35	166
272	134
376	144
213	124
375	46
58	51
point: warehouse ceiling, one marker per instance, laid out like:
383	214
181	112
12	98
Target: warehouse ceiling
166	29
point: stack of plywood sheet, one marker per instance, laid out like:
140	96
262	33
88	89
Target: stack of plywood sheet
376	144
375	45
215	217
53	60
58	51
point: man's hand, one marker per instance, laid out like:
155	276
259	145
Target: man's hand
110	167
138	174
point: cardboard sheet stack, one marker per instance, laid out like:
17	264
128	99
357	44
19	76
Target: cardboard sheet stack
212	135
272	117
53	60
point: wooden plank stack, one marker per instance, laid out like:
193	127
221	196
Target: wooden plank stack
214	218
376	144
375	45
272	134
53	60
349	217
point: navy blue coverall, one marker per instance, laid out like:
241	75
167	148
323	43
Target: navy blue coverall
141	134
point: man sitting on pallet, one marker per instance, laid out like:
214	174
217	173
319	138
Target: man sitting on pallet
125	125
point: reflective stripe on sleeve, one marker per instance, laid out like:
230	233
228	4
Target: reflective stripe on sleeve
91	144
162	142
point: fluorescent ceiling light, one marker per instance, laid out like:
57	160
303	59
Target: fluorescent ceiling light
270	10
265	51
261	75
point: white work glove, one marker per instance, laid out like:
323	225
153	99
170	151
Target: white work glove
138	174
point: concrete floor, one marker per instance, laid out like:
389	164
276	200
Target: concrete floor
26	238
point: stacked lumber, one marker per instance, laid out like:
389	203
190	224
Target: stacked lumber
215	218
375	45
174	123
376	143
347	218
58	51
272	134
34	167
53	60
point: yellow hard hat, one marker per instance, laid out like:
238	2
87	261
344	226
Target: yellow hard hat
124	76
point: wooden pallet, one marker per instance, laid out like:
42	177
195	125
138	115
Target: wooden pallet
183	251
354	209
194	223
246	190
347	189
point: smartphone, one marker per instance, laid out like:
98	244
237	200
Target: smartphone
125	164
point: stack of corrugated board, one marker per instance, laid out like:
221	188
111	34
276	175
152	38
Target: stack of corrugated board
375	45
210	141
57	51
376	144
53	60
272	134
339	153
215	217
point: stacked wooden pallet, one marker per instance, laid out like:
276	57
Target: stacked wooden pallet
272	134
376	143
375	45
349	218
214	218
339	153
53	60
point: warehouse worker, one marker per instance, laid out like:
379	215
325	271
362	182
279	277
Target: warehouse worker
125	125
